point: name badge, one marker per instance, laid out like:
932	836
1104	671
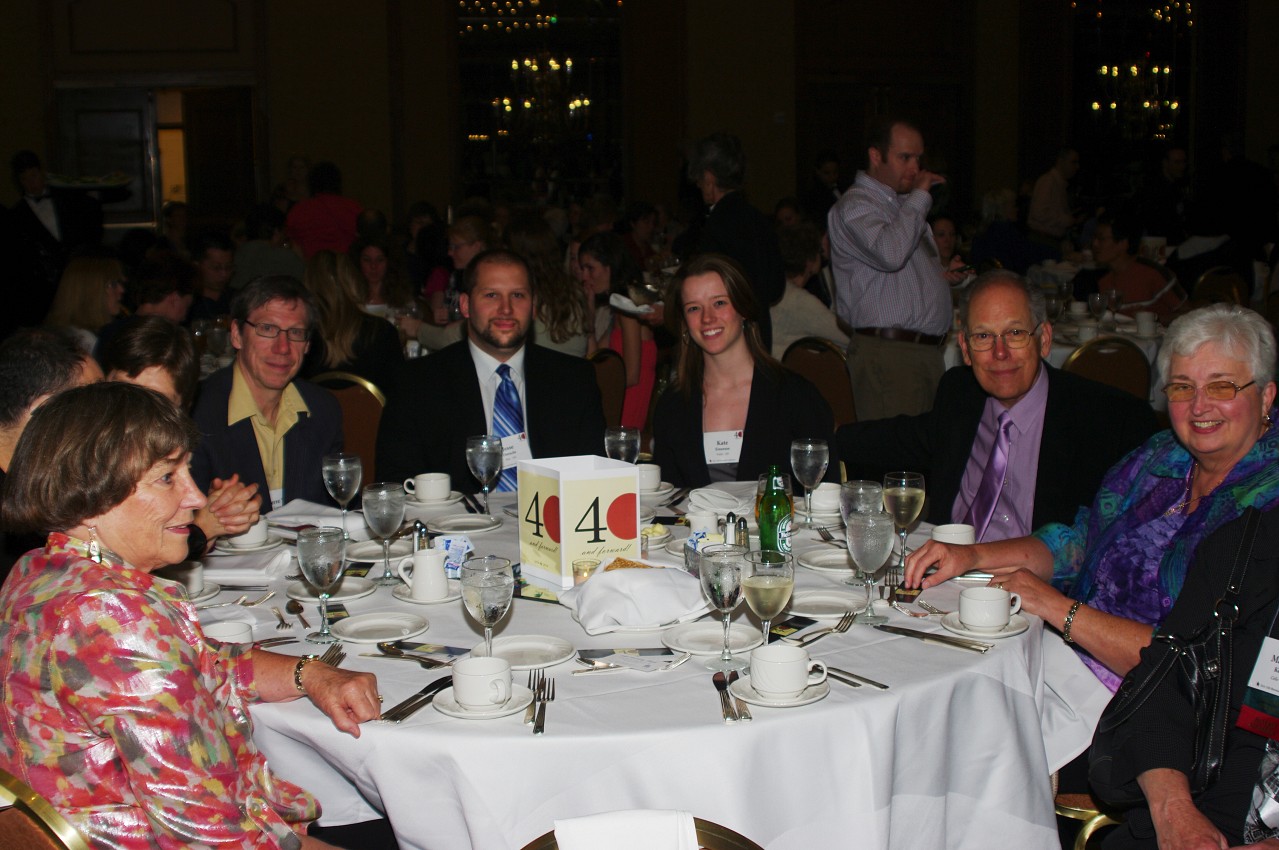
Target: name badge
515	448
1260	710
722	446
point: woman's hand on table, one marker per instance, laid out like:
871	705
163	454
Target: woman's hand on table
347	697
950	559
233	507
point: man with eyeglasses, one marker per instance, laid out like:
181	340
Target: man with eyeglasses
255	419
1011	443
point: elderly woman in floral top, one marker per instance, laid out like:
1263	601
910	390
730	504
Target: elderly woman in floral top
115	707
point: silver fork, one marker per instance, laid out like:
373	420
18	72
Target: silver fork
824	533
548	695
279	615
931	608
839	628
536	678
268	595
897	606
239	601
334	655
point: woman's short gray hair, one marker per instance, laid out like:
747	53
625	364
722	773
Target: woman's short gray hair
1241	333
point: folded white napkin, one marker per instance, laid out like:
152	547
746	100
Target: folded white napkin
635	599
638	829
738	497
626	305
253	568
302	512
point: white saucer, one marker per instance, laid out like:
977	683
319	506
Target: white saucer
707	638
1016	625
371	550
528	652
445	703
826	604
351	587
463	524
206	593
663	489
674	547
832	518
659	540
404	593
742	690
452	498
224	546
376	628
826	559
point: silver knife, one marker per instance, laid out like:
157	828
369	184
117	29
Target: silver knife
405	708
835	671
943	640
725	707
743	713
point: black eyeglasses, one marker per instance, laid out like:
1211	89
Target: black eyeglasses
1015	338
1215	390
269	331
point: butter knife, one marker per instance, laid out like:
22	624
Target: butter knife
720	681
423	697
836	672
943	640
743	713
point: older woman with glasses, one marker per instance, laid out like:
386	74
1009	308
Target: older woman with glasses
1106	580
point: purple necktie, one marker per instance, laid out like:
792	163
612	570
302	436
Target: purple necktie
992	480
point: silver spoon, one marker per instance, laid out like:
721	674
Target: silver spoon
295	608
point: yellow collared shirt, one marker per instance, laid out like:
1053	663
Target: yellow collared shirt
270	437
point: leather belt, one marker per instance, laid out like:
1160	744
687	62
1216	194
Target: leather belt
902	335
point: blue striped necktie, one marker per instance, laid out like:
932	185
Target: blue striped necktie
508	419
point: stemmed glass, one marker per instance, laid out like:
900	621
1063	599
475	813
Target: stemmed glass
487	587
622	444
870	543
1097	305
384	512
860	497
1114	301
321	552
484	457
903	499
343	473
768	579
809	458
721	575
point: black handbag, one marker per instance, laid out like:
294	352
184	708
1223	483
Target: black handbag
1202	669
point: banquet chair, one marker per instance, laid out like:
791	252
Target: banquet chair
610	374
1114	361
28	822
1220	285
362	404
826	366
710	836
1082	807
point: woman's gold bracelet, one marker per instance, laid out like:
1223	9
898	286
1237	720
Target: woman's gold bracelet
297	671
1070	621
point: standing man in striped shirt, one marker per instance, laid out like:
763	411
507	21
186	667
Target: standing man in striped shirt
889	285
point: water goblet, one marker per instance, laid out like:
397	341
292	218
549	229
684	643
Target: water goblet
1097	305
217	341
484	457
343	473
809	458
1114	301
870	544
903	499
321	552
487	587
721	577
622	444
384	512
767	581
860	497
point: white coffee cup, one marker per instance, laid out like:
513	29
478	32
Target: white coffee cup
426	581
480	683
1078	308
703	522
826	498
255	536
429	486
955	532
650	476
782	671
1086	330
229	631
190	574
1146	323
987	609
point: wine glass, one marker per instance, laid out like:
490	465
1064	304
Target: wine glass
1114	301
383	512
809	458
487	587
1097	305
484	457
217	341
870	544
767	582
343	474
721	576
903	499
1053	304
859	497
321	552
622	444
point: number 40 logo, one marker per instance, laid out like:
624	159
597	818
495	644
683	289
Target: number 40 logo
619	518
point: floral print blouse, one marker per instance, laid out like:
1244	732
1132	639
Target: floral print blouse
117	711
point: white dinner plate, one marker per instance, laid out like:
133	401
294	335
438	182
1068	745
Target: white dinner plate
224	547
371	550
352	587
826	604
826	559
1016	625
742	690
375	628
663	489
404	593
528	652
446	703
708	638
210	590
463	524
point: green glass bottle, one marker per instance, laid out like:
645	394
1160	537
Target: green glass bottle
774	514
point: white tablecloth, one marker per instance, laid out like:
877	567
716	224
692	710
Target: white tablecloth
951	756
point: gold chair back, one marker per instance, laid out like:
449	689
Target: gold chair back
1220	285
1112	360
362	404
826	366
30	823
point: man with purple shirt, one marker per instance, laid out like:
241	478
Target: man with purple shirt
1062	432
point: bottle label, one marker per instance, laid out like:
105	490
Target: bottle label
784	533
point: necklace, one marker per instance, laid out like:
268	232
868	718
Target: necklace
1186	502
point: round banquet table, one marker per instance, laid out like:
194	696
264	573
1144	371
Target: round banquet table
952	755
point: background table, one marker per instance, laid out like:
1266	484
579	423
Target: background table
951	756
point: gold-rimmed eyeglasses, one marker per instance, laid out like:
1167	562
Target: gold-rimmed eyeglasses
1015	338
1215	390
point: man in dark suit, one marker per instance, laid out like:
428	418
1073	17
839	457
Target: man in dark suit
1062	432
459	391
254	418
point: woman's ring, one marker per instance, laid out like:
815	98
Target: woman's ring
379	697
999	585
